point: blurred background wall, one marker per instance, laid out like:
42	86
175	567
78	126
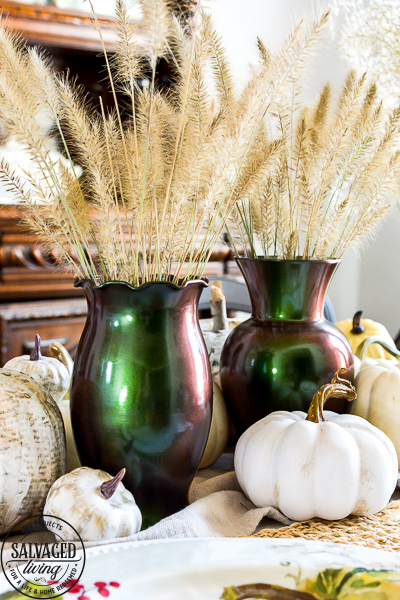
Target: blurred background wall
369	278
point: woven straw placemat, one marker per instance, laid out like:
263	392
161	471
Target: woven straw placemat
380	531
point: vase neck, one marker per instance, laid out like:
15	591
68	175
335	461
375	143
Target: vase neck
115	297
292	290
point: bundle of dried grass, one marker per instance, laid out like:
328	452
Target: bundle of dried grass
330	178
164	181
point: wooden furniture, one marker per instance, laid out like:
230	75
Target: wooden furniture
27	278
26	273
54	320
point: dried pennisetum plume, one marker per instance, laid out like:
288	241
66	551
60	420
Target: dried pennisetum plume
329	180
163	180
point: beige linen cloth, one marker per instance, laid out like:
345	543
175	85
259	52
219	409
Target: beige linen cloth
218	508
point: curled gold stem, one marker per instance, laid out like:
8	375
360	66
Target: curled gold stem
338	388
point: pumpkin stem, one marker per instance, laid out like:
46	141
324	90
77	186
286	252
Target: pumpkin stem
358	327
108	488
36	354
263	590
218	307
338	387
59	352
375	339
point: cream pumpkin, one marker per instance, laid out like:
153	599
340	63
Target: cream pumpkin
98	506
378	391
32	447
52	372
219	430
317	465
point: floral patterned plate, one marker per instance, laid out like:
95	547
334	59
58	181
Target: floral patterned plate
233	569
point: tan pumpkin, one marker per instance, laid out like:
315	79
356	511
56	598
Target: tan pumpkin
52	372
32	447
219	431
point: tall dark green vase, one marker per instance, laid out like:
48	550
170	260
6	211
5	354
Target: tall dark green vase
282	355
141	395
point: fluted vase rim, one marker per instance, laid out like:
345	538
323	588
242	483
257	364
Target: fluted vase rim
324	261
80	282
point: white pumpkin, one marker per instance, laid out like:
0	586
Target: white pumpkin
378	391
32	447
219	430
97	505
53	372
310	467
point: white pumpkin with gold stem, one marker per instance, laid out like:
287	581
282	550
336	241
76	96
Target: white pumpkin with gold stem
319	464
96	504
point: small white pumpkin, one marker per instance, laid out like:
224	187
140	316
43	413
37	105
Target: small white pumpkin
219	430
53	373
97	505
32	447
317	465
378	390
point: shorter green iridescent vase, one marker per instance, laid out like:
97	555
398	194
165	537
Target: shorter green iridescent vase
287	350
141	394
